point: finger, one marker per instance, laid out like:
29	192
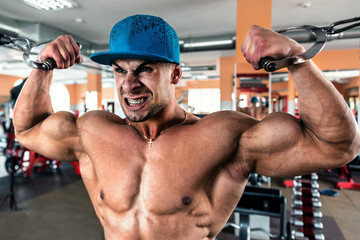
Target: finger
69	55
79	59
66	50
51	51
55	51
77	50
75	46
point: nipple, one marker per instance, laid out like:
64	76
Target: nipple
102	194
186	200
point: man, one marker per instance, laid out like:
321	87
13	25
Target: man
162	173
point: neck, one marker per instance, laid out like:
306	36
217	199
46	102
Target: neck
154	127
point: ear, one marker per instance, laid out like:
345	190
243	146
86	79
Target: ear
176	74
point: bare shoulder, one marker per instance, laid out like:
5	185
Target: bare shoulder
98	118
228	120
243	124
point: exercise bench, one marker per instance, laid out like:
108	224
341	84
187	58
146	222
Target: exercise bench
262	201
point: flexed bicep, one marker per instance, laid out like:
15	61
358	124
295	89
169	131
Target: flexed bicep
55	137
280	146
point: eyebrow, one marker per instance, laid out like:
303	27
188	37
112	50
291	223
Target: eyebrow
146	62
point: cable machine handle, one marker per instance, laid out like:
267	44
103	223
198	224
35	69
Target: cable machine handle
47	65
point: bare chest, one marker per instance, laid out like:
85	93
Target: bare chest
178	179
162	182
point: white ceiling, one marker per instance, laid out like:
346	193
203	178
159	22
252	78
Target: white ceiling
190	18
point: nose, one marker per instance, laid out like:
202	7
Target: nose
130	83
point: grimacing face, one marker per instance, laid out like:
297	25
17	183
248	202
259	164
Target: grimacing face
143	87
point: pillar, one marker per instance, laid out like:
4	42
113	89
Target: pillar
250	13
226	82
291	96
94	85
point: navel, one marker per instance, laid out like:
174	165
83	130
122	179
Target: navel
102	194
186	200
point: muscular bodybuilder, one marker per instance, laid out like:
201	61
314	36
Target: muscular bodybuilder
162	173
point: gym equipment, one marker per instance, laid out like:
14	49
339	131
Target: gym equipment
11	195
260	201
345	172
306	216
11	164
26	46
21	161
269	64
299	181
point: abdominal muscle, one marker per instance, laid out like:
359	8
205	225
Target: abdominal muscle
139	224
147	202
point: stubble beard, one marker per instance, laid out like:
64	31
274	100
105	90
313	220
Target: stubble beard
137	116
154	109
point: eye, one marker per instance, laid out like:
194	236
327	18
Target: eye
145	69
120	70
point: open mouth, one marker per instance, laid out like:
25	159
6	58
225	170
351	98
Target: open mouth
136	102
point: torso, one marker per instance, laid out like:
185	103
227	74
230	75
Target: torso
184	187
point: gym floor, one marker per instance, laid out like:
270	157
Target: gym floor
55	205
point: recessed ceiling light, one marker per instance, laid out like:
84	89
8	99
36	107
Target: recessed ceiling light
50	5
306	4
79	20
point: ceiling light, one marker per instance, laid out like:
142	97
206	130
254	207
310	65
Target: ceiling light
79	20
210	43
306	4
50	5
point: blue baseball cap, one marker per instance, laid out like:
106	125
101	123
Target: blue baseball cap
141	37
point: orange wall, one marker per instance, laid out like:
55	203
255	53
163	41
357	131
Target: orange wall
7	83
77	93
337	59
250	13
214	83
353	83
94	84
108	93
280	87
227	68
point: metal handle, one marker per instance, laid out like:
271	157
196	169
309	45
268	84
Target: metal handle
270	64
5	39
47	65
34	64
267	63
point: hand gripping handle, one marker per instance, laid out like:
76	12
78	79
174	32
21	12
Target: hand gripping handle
270	64
47	65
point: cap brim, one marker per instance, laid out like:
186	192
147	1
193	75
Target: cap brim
106	58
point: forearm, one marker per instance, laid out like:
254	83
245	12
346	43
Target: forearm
322	109
33	104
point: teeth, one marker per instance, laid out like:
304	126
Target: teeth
134	102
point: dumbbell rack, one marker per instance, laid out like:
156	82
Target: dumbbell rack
306	215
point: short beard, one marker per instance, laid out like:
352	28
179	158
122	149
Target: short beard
154	110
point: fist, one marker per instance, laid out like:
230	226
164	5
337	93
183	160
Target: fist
260	42
64	50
